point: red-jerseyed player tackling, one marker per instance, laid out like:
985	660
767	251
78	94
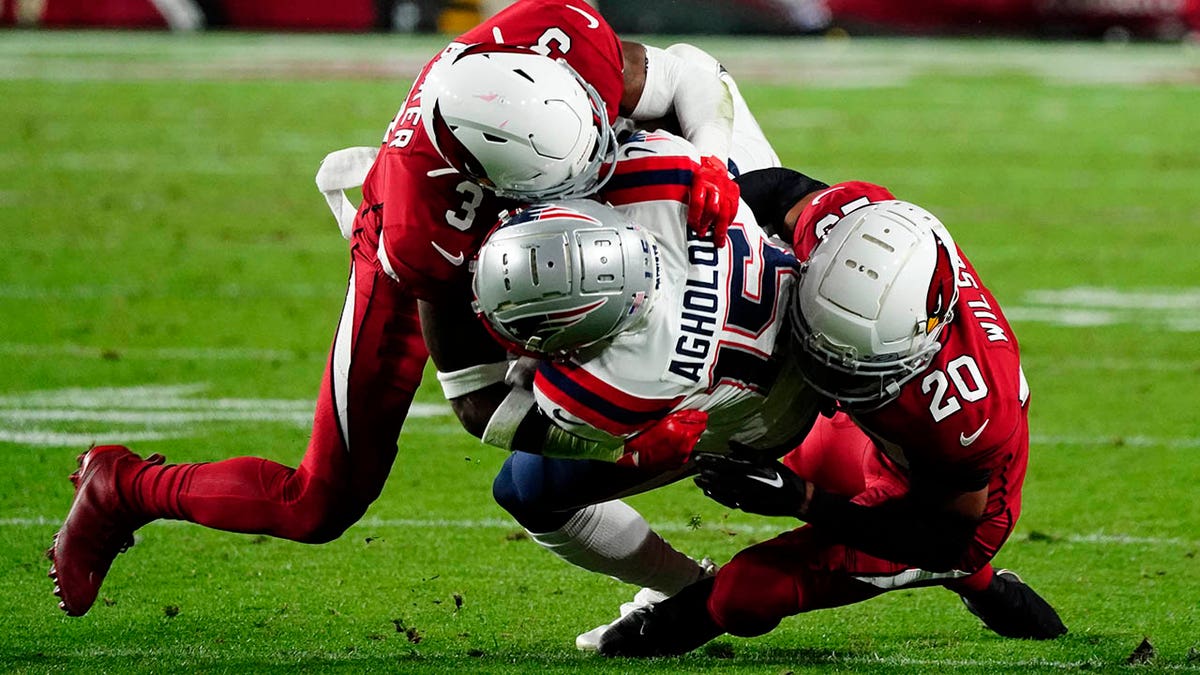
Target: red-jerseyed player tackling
420	219
916	480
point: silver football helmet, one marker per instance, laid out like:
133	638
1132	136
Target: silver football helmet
872	301
522	124
555	278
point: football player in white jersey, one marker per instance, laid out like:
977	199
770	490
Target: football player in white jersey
585	525
642	320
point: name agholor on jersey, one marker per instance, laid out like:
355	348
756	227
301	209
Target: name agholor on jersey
965	407
709	340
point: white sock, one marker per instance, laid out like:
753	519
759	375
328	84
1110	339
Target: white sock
613	539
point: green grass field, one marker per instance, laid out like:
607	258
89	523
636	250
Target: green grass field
171	278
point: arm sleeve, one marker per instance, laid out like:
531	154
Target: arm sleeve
700	100
898	530
770	193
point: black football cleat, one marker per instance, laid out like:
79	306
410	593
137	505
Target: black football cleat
1009	607
671	627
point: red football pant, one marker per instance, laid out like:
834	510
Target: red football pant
804	569
374	368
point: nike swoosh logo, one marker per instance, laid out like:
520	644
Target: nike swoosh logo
818	198
637	148
776	482
592	21
967	440
558	417
455	260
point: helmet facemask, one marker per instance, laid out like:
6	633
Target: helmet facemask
555	279
842	374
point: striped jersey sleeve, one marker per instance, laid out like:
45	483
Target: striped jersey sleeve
568	392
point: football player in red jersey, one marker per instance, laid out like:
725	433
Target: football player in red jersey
420	221
916	478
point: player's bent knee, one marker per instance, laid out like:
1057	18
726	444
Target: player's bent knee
321	514
328	528
520	489
510	493
751	597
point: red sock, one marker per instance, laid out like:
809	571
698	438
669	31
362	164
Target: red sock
975	583
245	494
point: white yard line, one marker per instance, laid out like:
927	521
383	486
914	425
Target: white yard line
59	418
1172	309
253	354
157	412
1116	298
1117	440
142	417
142	291
59	439
738	527
1163	364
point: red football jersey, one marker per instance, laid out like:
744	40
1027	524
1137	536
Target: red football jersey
963	419
433	218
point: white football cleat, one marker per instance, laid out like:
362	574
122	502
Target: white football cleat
590	641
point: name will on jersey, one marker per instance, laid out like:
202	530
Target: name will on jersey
981	309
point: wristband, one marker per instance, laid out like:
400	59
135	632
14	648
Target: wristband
458	383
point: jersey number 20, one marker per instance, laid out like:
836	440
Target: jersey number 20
963	373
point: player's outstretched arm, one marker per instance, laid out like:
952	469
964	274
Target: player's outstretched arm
686	84
471	365
777	196
659	83
475	374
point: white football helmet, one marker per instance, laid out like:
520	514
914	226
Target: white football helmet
555	278
519	123
872	301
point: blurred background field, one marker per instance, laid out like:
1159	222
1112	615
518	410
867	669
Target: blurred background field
171	278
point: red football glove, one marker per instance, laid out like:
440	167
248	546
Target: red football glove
668	444
713	201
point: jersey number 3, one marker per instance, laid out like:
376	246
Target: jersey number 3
463	217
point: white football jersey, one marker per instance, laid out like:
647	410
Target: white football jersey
710	341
